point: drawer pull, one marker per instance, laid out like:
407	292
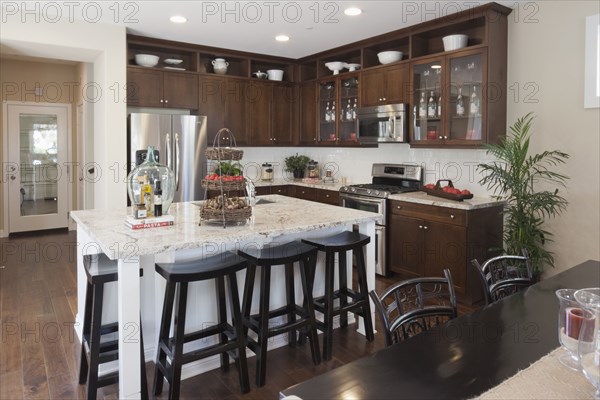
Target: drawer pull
327	195
399	207
452	216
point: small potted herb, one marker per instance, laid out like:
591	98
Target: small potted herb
296	165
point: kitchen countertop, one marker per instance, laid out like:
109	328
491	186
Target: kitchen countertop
335	186
470	204
413	197
273	216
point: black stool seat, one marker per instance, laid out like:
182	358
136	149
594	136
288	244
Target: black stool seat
349	299
231	336
95	350
298	317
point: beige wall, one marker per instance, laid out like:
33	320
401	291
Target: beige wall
19	79
548	55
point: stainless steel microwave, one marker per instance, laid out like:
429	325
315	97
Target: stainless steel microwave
386	123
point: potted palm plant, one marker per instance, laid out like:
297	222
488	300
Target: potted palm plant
524	182
296	165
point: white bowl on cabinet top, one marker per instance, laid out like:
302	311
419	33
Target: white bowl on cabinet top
386	57
146	60
455	42
335	66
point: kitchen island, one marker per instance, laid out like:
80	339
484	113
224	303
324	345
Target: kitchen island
276	219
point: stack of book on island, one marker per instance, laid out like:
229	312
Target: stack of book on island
150	222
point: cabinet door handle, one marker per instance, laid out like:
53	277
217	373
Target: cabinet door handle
451	216
440	138
420	226
384	99
166	101
425	227
161	100
446	137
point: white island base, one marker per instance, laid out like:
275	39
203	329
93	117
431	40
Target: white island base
276	220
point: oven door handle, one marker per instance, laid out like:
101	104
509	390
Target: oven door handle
360	199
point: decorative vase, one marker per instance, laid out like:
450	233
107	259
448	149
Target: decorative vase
141	183
298	173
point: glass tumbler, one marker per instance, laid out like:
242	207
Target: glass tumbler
570	319
589	337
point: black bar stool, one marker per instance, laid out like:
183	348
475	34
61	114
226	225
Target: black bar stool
231	337
285	254
359	301
94	350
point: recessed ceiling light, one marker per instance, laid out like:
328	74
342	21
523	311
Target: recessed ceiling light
178	19
353	11
282	38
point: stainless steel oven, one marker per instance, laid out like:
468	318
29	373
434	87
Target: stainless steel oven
372	205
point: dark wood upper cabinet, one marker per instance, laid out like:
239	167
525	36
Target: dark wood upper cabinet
307	133
274	119
152	88
387	85
284	114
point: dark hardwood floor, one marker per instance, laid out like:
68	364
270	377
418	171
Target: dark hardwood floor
39	351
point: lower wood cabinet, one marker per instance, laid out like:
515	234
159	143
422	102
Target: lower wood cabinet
423	240
282	190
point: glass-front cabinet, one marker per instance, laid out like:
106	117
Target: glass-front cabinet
338	104
449	100
428	103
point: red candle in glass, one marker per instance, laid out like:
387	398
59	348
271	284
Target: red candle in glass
573	321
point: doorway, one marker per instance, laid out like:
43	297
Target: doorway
37	166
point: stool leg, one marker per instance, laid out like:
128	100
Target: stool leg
178	333
248	290
222	315
343	281
328	314
92	381
291	301
307	267
163	337
364	292
87	321
238	324
263	329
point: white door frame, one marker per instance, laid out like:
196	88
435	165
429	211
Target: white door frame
68	157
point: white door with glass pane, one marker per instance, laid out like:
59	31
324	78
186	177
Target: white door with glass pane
37	166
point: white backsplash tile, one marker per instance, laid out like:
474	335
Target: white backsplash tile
459	165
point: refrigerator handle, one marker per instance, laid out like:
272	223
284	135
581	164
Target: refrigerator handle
177	162
168	147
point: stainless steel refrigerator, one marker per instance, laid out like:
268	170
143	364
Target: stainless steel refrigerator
180	141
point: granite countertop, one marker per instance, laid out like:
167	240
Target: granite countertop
273	216
470	204
335	186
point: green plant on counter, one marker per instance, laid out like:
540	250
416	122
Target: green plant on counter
227	168
515	178
296	165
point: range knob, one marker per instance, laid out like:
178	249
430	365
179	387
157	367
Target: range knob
345	189
368	191
352	189
377	193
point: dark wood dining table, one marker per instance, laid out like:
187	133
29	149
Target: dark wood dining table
462	359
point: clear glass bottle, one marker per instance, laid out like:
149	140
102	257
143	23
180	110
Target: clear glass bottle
460	105
423	106
475	104
327	113
439	107
333	112
150	171
431	106
349	112
354	109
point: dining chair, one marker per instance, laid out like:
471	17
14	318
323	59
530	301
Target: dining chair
504	275
416	305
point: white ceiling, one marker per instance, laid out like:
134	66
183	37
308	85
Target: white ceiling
313	26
